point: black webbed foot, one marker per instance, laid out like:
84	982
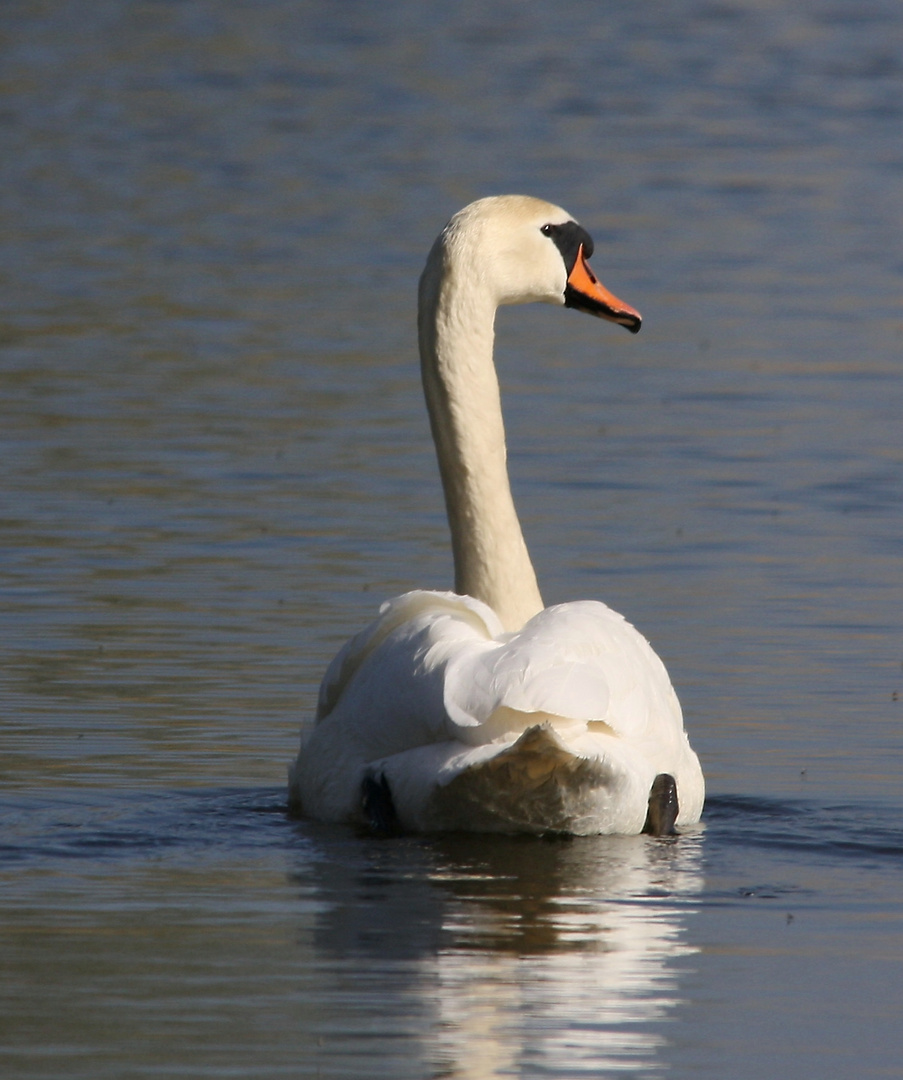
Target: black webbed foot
663	806
378	807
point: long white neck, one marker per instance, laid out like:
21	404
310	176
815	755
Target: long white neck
462	396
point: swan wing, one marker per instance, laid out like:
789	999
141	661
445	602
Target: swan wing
417	619
579	662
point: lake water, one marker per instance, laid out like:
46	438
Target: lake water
216	463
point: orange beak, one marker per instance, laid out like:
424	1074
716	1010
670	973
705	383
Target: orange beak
585	292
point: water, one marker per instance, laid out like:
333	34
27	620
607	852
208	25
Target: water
198	933
216	463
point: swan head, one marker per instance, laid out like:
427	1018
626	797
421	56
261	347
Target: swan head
518	249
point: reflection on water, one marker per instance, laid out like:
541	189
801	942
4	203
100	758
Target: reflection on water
203	932
193	930
550	957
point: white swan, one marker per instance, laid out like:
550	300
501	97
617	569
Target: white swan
482	709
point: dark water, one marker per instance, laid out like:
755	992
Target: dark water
216	463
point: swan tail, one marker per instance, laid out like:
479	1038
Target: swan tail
536	784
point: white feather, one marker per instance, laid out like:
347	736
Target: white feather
482	709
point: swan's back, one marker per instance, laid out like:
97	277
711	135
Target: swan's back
436	700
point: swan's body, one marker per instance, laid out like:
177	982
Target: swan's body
482	709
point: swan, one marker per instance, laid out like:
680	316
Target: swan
481	709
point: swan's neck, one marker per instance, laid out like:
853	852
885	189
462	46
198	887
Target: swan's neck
462	395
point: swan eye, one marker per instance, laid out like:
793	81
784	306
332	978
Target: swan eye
568	238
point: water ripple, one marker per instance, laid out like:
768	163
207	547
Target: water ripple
856	831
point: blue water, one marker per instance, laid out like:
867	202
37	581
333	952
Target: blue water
194	932
216	463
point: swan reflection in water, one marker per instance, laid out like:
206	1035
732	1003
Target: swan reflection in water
500	954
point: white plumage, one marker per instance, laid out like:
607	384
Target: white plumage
482	709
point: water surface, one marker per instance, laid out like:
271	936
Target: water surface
216	463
